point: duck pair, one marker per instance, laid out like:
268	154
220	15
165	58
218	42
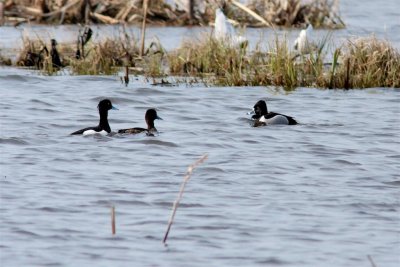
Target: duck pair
104	128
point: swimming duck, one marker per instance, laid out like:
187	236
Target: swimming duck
103	127
262	117
150	116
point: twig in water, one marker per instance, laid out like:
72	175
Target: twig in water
113	220
371	261
176	202
126	77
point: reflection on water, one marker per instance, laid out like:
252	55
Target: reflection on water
322	193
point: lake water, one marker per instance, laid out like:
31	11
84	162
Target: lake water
322	193
325	192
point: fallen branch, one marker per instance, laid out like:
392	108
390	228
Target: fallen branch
38	13
103	18
31	11
251	13
176	202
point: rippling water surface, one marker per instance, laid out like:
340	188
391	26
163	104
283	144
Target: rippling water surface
322	193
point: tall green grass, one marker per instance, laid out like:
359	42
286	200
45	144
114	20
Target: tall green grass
360	63
363	63
368	62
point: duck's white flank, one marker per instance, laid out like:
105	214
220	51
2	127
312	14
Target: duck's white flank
90	132
278	119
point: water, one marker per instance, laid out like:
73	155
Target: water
322	193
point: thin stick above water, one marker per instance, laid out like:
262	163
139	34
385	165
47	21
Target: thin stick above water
145	4
176	202
113	230
371	261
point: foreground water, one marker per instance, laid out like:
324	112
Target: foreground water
322	193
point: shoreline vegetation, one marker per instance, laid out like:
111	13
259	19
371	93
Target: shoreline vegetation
358	63
223	58
254	13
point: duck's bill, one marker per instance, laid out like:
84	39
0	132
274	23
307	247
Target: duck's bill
159	118
114	108
251	112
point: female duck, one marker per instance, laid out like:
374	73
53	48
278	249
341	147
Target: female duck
263	117
150	117
103	127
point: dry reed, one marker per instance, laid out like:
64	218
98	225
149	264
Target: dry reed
180	195
113	228
5	61
368	62
371	261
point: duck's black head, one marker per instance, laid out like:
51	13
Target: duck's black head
151	115
105	105
260	109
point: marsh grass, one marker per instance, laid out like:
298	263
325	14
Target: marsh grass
110	55
367	62
107	56
363	63
360	63
5	61
204	55
235	66
101	59
104	57
35	54
281	69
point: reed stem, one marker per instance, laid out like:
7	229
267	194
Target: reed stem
182	189
113	229
145	4
371	261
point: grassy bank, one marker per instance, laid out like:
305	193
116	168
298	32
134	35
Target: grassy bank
357	63
360	63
